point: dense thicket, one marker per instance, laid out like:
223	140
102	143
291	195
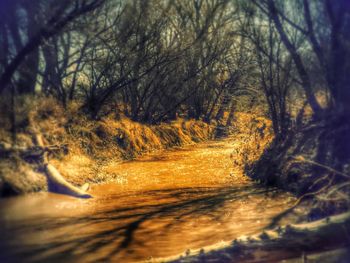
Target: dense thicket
155	60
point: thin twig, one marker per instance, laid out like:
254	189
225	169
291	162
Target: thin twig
301	159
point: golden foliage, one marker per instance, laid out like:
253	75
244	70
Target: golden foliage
253	134
95	144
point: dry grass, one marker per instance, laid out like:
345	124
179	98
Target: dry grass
253	134
17	177
93	145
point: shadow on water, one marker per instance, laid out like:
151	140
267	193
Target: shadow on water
163	205
114	230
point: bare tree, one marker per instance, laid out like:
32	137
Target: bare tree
61	14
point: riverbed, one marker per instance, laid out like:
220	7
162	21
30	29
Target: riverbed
160	205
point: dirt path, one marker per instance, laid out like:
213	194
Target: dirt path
160	205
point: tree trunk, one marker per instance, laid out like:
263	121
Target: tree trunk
303	74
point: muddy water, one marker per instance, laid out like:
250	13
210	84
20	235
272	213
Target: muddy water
161	205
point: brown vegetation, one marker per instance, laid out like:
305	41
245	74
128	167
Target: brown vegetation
313	163
89	145
109	80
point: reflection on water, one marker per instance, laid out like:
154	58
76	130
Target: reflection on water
183	199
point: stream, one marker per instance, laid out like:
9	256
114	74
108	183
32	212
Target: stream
161	205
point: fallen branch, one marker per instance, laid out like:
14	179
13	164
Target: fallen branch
39	154
34	153
301	159
277	218
56	182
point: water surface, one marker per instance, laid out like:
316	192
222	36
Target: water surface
161	205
